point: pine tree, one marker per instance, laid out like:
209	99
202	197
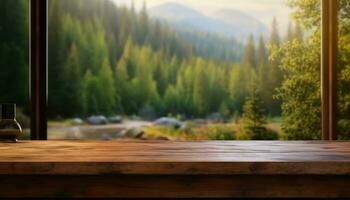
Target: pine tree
263	71
262	57
238	87
57	57
108	98
254	120
275	75
184	89
250	54
216	91
71	88
146	89
275	37
161	74
122	81
149	57
200	98
129	57
90	91
171	99
253	112
143	24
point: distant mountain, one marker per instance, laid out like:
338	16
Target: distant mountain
231	23
241	21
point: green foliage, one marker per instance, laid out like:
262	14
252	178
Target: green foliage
261	133
300	91
219	132
212	46
107	96
109	59
275	75
192	132
301	105
254	120
300	61
307	12
71	84
200	88
344	71
122	61
173	71
249	55
14	51
238	87
171	100
90	91
254	113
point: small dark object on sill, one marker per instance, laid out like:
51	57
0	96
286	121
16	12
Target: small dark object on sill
10	129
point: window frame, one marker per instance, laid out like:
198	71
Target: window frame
329	48
39	71
38	68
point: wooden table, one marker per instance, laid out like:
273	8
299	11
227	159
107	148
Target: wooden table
174	169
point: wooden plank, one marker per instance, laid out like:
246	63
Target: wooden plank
174	186
165	157
174	169
329	68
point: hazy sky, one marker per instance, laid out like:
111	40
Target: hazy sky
263	10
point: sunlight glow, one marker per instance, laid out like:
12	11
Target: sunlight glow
263	10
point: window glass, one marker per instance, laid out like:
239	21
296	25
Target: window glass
14	58
344	70
184	69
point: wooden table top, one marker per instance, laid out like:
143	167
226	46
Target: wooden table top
165	157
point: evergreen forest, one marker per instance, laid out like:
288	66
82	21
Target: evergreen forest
108	59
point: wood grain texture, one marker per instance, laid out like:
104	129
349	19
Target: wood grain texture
177	158
161	186
329	74
174	169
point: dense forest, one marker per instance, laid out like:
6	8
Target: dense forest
14	52
108	59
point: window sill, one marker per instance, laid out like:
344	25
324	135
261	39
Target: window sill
176	166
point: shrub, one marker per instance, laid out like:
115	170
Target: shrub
220	132
343	129
262	133
168	133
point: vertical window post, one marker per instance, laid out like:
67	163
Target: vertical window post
329	68
38	71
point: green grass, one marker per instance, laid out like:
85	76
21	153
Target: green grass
231	131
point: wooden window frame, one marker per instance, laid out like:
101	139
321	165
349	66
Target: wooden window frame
329	50
38	69
39	72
